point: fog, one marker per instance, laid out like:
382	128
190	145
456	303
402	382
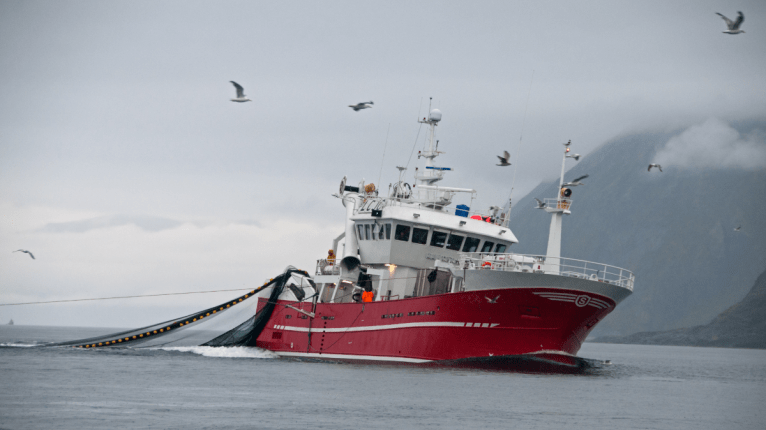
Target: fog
125	168
714	144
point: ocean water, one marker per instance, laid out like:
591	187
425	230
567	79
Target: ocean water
645	387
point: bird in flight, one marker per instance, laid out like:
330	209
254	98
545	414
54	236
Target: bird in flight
738	228
540	204
733	25
240	93
26	252
576	182
359	106
504	159
492	300
654	165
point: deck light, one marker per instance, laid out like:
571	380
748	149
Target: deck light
462	223
416	215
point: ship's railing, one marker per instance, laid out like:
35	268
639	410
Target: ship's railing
570	267
558	203
325	267
483	215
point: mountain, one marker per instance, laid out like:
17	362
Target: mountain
673	229
741	326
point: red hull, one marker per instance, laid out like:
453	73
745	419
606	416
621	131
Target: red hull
468	329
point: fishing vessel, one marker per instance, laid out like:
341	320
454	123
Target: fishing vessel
414	280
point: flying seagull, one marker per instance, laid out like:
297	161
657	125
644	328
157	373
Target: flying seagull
654	165
240	93
738	228
576	182
26	252
540	204
492	300
504	159
733	25
359	106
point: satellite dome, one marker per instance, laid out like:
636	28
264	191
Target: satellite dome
435	116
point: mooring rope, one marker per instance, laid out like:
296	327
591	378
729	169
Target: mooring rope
153	295
137	336
123	297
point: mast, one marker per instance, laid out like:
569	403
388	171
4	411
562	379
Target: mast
431	173
562	204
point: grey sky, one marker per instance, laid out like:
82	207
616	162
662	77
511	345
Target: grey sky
112	111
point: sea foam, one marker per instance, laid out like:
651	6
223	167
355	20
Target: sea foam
224	352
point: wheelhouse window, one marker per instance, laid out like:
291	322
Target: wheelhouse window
402	233
388	231
360	229
438	238
454	242
381	234
367	232
487	246
471	244
419	235
500	248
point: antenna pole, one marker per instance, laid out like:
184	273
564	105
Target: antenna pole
563	163
384	154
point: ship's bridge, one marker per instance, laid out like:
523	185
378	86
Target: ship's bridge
390	231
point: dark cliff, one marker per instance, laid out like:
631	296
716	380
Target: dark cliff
743	325
674	230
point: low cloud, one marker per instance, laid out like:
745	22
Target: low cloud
81	256
714	144
146	223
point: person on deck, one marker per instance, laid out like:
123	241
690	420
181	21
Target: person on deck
367	296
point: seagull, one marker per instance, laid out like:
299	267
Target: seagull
359	106
26	252
737	228
576	182
492	300
540	204
504	159
654	165
240	93
733	25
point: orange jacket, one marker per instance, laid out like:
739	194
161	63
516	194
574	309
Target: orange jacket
367	296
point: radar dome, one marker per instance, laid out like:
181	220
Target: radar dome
436	115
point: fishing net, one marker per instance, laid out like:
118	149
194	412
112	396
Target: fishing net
237	322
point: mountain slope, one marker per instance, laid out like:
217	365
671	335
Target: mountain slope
674	230
743	325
